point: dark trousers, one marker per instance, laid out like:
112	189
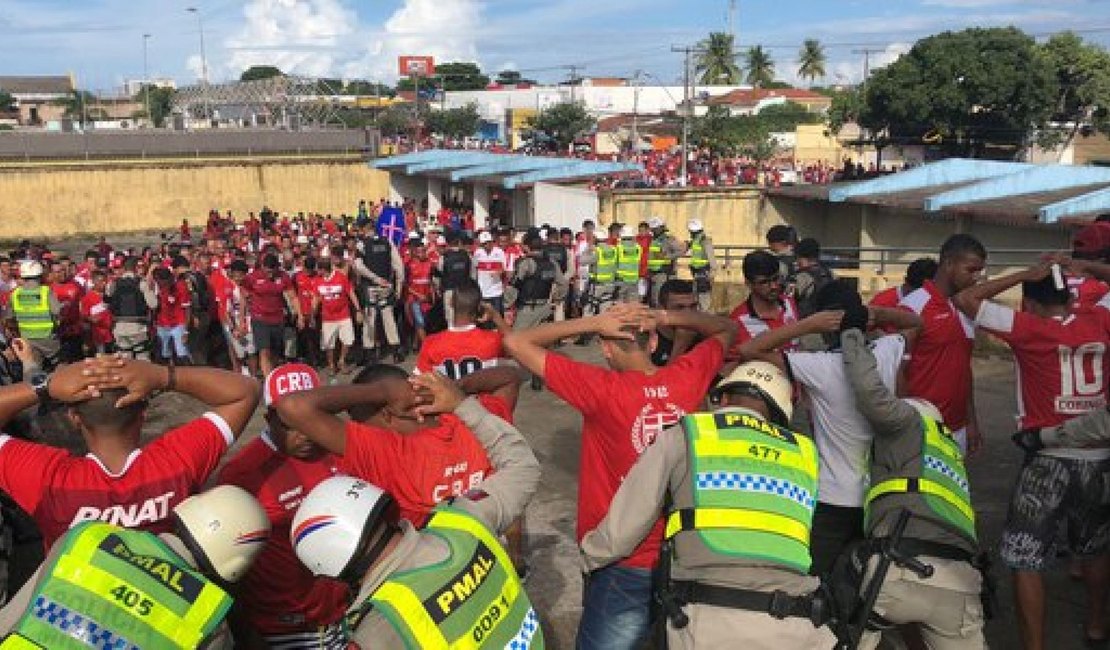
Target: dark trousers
834	528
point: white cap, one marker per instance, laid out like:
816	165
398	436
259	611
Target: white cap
30	269
415	234
627	232
225	528
694	225
329	527
441	241
302	239
771	384
484	237
655	222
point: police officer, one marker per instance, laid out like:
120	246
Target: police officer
536	280
447	585
601	258
382	273
736	555
131	300
112	587
702	263
453	268
35	309
629	253
918	467
554	250
663	251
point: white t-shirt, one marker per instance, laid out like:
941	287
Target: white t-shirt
843	436
490	267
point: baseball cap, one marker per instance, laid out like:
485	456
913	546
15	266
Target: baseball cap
655	222
288	378
484	237
1093	239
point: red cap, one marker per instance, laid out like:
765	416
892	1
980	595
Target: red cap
286	379
1093	239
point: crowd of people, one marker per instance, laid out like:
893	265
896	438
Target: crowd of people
789	476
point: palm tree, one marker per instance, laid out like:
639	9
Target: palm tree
716	63
811	60
761	69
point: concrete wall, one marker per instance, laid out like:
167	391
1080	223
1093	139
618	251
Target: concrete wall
55	200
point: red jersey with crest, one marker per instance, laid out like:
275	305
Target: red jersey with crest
458	352
280	595
752	324
418	279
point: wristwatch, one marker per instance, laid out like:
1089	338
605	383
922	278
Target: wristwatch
40	382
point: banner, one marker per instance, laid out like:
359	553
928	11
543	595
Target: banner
416	66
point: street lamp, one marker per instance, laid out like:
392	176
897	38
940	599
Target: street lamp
203	62
146	80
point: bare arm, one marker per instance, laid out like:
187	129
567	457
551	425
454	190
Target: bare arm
497	319
971	299
398	269
529	346
313	412
703	323
500	381
771	340
900	319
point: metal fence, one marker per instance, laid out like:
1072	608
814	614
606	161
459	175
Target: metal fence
140	144
883	260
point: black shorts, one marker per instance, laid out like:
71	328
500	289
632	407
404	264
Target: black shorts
268	336
1051	491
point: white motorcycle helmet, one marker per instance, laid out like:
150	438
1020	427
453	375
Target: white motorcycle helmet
342	526
30	269
225	529
695	226
764	380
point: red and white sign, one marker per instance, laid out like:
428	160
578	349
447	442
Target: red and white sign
416	66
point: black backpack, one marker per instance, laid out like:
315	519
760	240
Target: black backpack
199	290
127	299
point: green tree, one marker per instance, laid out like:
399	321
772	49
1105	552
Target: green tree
76	105
716	131
969	90
846	107
395	120
257	72
512	78
7	102
161	103
454	123
563	123
760	66
811	60
451	76
716	64
1083	86
778	118
363	87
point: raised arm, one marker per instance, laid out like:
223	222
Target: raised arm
899	319
703	323
500	381
877	403
971	299
529	346
771	340
313	412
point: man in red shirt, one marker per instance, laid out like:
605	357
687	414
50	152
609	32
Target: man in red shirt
766	307
643	238
1061	366
1091	243
464	348
118	481
95	314
308	337
333	291
171	320
281	599
939	369
70	327
623	408
271	291
917	273
420	293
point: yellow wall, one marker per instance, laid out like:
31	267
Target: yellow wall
67	199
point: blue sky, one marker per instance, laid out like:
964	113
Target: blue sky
101	40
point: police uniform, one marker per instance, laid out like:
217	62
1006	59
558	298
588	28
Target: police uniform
662	253
79	589
131	300
379	261
741	494
454	268
629	253
452	582
560	256
35	309
601	259
701	267
536	279
917	466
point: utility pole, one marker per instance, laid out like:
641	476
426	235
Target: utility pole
732	20
146	81
687	106
573	79
636	113
867	52
203	63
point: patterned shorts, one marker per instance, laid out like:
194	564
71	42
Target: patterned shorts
1051	492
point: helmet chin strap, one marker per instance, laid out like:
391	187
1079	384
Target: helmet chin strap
361	564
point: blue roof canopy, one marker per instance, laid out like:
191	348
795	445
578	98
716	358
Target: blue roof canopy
507	170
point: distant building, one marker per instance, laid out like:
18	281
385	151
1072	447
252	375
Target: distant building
751	101
131	87
37	98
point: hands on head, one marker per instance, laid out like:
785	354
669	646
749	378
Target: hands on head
87	379
435	394
623	320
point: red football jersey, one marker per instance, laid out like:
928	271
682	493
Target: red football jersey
1086	291
1061	362
418	279
334	301
752	324
940	363
69	297
60	490
305	286
889	297
456	353
622	413
419	469
96	312
280	595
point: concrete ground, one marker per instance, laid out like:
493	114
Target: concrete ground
553	428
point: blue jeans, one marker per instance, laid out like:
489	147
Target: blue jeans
616	613
174	336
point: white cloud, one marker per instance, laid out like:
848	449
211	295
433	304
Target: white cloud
297	36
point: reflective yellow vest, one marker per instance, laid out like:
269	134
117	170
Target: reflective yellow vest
32	312
698	258
472	599
754	490
628	261
940	480
657	261
110	587
605	268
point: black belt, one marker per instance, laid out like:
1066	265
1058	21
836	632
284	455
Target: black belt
535	303
918	547
778	604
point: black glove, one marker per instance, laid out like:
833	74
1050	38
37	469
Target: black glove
1029	440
